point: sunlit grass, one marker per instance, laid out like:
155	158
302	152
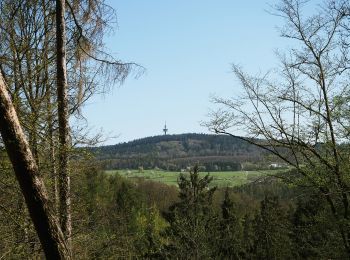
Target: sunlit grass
220	179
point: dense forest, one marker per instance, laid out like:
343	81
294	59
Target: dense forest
143	219
176	152
58	202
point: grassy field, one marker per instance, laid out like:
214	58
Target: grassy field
220	179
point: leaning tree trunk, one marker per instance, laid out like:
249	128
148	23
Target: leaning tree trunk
63	125
32	187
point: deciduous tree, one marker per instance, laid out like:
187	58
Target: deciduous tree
299	112
32	186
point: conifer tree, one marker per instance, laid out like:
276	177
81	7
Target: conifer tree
230	231
272	239
313	234
192	221
248	237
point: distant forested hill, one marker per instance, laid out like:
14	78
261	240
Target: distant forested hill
175	152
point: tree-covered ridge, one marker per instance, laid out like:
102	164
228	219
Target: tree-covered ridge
58	202
174	152
183	144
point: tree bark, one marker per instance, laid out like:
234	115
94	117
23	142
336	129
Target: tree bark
32	187
63	124
49	109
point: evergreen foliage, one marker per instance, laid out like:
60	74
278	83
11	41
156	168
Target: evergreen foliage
314	232
191	220
229	242
272	231
176	152
116	217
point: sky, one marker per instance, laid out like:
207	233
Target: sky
187	48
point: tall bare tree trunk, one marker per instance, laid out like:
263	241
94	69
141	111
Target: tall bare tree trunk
63	124
52	160
49	110
33	189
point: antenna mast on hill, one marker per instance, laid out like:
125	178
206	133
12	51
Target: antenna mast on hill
165	130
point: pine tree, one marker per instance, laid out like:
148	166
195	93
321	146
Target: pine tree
272	231
192	221
229	244
313	234
248	237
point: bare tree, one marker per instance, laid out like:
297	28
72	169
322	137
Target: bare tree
27	174
28	62
300	111
63	124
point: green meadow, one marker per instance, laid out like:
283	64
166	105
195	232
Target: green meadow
220	179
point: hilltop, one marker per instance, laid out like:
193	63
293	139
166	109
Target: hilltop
175	152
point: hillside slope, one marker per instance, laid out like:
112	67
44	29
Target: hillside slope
174	152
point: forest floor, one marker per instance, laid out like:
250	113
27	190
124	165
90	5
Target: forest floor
220	179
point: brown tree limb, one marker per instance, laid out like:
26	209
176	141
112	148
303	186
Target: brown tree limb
31	184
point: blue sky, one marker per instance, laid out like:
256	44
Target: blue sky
187	48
